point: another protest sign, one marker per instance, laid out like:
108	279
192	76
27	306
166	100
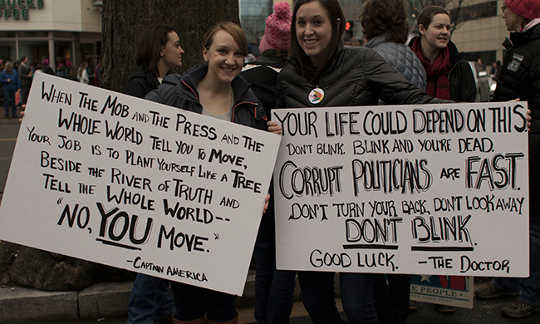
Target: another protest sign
427	189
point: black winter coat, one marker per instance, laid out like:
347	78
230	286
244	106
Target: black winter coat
262	78
140	83
180	91
520	78
354	77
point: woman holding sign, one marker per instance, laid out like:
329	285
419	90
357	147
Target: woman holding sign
322	73
213	89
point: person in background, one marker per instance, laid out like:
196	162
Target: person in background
449	76
25	75
213	89
45	67
61	70
159	52
319	63
273	288
385	27
519	78
98	79
10	85
82	73
495	70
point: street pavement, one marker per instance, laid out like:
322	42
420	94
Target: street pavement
107	304
9	128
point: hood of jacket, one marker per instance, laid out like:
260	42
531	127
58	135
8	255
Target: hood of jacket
143	75
181	91
529	35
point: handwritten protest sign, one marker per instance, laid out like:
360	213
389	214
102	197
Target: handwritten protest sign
431	189
137	185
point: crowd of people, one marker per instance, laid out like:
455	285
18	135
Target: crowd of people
16	79
302	51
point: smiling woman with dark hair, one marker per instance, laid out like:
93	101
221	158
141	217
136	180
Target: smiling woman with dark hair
323	73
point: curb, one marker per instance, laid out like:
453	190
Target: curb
22	305
19	305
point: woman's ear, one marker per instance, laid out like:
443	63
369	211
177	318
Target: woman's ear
421	29
205	54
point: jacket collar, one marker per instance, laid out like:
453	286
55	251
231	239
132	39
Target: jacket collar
336	58
240	87
377	40
532	33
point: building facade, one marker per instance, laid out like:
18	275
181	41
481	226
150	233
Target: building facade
61	31
252	18
481	30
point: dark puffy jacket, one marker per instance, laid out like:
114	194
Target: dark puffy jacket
354	77
180	91
262	78
140	83
520	72
402	58
520	78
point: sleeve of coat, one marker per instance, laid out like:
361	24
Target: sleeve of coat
135	88
534	93
462	83
392	86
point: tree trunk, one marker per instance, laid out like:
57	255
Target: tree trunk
124	20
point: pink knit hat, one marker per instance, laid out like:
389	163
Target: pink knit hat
529	9
277	33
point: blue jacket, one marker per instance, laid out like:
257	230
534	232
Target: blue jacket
13	84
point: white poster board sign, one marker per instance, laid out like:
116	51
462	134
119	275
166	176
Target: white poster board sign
137	185
428	189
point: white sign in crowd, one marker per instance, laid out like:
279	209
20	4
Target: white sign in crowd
137	185
109	178
430	189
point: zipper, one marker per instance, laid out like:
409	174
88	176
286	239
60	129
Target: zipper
241	103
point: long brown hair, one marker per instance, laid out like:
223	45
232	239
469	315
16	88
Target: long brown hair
150	45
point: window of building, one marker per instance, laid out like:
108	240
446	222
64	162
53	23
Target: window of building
477	11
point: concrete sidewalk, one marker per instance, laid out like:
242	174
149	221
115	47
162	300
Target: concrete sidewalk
104	300
107	304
